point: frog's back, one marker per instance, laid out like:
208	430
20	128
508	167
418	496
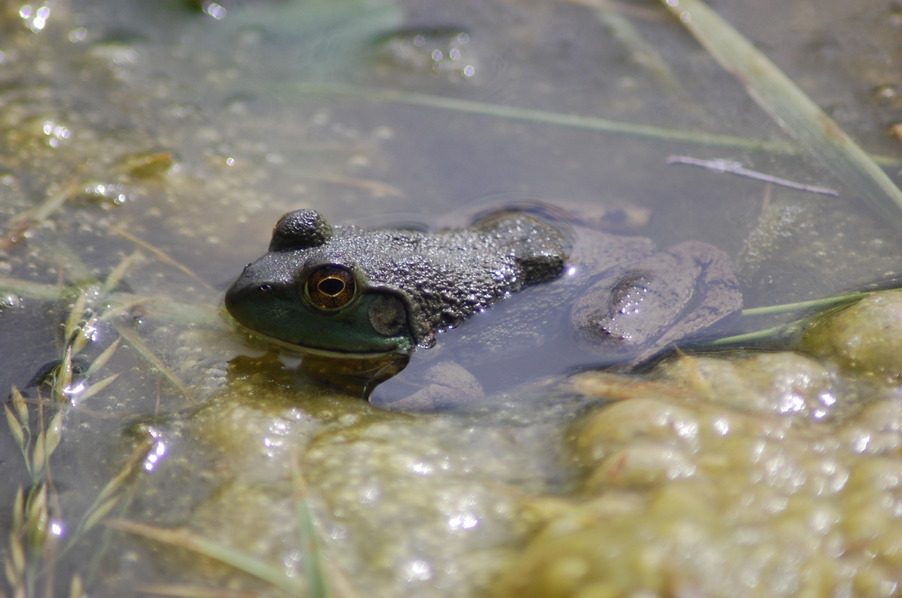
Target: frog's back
448	275
538	247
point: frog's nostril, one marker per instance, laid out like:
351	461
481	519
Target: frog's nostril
265	289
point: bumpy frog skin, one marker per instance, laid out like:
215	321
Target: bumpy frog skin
341	290
344	292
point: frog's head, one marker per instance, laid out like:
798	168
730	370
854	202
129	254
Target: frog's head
303	296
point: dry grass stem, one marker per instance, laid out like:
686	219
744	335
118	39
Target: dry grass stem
148	354
161	255
237	559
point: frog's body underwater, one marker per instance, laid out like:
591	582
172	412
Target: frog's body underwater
349	295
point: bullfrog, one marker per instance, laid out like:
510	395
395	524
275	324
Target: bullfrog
531	290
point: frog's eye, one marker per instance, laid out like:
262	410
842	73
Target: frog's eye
330	287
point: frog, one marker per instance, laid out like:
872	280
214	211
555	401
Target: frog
521	288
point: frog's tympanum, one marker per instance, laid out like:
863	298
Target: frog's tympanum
342	294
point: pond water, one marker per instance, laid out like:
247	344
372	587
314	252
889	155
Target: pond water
150	448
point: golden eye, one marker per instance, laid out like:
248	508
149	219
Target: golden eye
330	287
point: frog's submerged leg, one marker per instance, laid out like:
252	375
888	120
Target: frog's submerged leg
439	386
716	295
667	297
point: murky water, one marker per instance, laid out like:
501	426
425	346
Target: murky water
147	148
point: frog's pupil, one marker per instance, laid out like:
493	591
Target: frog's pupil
331	286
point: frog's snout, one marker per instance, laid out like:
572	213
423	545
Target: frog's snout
236	298
245	295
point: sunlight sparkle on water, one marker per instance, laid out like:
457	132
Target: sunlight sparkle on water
155	455
35	17
90	330
722	426
55	132
421	468
418	570
463	521
215	10
75	389
274	442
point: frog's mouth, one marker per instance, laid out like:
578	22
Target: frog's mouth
313	350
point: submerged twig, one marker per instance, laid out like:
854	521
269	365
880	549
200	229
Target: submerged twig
733	167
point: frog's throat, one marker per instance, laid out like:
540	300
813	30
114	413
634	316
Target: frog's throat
322	352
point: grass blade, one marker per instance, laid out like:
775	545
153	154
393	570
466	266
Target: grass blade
103	358
816	133
18	225
144	350
15	428
237	559
558	119
826	302
158	253
97	387
308	540
32	290
644	54
99	512
18	402
545	117
186	591
54	434
76	587
317	586
122	268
